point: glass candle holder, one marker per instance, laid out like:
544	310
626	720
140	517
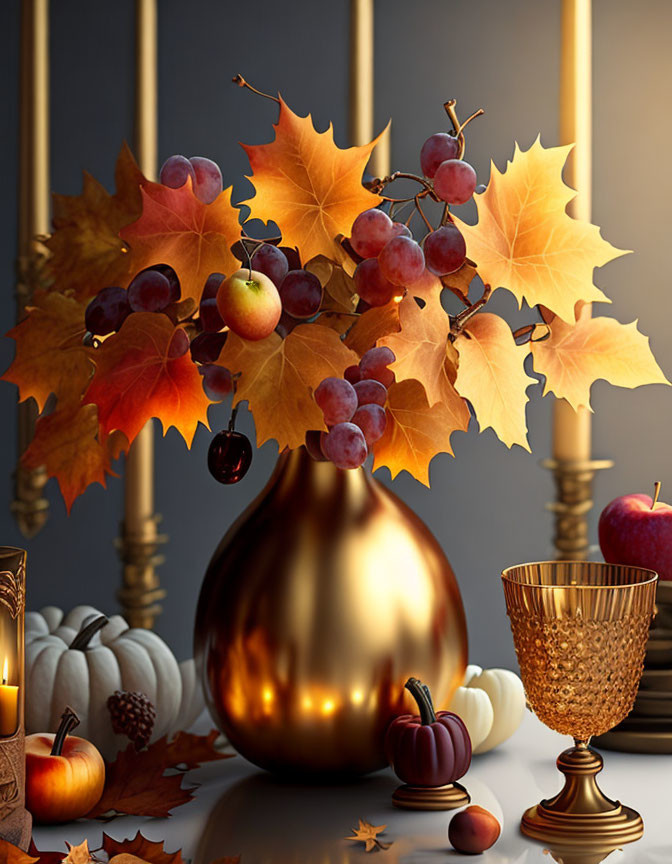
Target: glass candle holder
15	821
580	630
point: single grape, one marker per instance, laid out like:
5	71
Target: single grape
370	232
208	313
372	420
178	345
370	392
445	250
455	181
208	179
167	271
436	149
149	291
313	446
107	311
211	286
229	456
217	381
175	171
346	446
286	324
401	261
353	374
270	260
371	285
301	293
337	399
400	230
206	347
480	188
292	256
374	364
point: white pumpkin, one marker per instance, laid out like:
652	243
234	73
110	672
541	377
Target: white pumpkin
116	657
491	703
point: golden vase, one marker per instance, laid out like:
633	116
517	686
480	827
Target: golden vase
319	603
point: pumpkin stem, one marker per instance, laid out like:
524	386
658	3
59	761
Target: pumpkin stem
69	720
86	634
420	693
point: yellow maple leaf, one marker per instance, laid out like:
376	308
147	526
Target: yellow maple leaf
278	377
308	186
373	326
367	834
78	854
50	354
87	253
492	377
416	431
420	346
575	356
525	241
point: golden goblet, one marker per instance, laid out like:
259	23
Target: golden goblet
580	630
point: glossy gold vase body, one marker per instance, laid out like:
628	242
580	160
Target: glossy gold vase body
319	603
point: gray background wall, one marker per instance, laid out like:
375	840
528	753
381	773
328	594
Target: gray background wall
487	505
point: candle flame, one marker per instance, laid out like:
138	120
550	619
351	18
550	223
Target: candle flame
5	671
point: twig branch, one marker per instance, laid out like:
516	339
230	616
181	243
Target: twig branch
241	82
459	321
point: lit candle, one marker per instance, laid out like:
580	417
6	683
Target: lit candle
9	704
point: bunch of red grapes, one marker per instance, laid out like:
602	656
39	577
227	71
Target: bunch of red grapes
393	260
354	410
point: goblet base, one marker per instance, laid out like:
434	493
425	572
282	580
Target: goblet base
581	815
447	797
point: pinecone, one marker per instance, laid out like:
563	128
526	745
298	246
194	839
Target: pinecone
132	715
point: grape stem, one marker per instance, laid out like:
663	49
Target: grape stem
379	183
458	127
241	82
429	225
459	321
232	420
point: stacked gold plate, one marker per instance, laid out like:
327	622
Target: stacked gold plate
648	728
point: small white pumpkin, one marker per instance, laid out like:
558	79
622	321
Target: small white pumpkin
491	703
81	658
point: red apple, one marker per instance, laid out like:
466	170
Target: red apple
250	304
637	529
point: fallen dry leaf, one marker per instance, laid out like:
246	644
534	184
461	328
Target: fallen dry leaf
11	854
140	373
151	851
69	445
87	253
368	834
308	186
78	854
278	377
525	241
50	353
178	229
575	356
190	751
491	375
416	432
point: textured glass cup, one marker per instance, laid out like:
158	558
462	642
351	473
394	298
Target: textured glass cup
580	630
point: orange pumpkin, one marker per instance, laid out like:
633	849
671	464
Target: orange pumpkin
65	775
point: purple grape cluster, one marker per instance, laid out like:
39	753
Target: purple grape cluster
354	410
205	175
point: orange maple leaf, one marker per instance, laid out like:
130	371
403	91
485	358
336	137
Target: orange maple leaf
78	854
492	377
575	356
150	851
11	854
373	326
50	353
178	229
68	444
86	251
416	431
139	375
525	241
420	346
367	834
307	185
278	377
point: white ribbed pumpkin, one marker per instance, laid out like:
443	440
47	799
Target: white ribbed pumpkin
115	658
491	703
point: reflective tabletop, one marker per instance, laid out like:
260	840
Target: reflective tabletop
240	810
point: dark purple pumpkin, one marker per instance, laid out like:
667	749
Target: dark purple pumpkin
430	749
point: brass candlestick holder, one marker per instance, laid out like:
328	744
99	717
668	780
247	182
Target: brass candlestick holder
580	631
15	821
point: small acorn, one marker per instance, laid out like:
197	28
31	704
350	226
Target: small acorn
473	830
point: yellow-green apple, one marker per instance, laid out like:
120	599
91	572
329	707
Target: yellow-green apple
637	529
250	304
